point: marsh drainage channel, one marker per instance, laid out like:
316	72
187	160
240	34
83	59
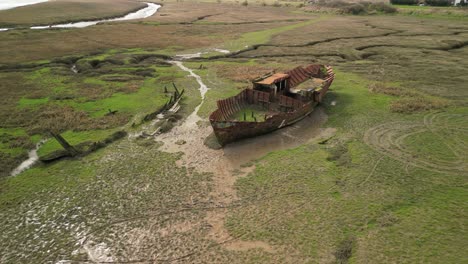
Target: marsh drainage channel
32	159
145	12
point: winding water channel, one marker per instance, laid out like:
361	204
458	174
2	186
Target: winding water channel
32	159
145	12
148	11
193	118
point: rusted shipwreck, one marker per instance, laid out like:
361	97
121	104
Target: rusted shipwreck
276	100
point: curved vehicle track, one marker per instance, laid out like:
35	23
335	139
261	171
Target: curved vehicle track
388	139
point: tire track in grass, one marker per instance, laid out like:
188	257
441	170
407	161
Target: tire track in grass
388	139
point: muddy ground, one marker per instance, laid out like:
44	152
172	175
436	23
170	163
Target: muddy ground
377	173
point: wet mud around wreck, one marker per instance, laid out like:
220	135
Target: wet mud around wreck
232	162
250	149
241	152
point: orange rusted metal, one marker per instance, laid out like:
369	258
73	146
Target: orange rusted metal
277	77
274	95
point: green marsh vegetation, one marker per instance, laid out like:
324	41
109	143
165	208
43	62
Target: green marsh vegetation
389	186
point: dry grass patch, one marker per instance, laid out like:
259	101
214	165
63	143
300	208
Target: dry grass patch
21	46
241	73
409	101
333	27
61	118
186	12
417	104
388	90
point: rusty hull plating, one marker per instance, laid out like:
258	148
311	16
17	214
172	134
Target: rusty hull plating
283	98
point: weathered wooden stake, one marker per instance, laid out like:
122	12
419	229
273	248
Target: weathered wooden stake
69	148
177	90
181	93
165	89
245	116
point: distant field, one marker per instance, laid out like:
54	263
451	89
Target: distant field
380	179
62	11
449	12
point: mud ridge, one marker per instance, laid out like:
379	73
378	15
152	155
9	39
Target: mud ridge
308	44
228	23
341	38
258	22
200	18
343	56
386	45
455	46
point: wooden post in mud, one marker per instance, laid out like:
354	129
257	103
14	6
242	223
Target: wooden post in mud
176	91
181	93
111	112
69	148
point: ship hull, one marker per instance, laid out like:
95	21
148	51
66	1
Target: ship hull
227	132
281	108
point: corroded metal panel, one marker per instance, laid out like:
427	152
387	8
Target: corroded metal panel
290	109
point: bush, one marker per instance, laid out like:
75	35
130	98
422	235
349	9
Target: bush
438	2
333	4
276	4
245	3
382	7
355	9
359	8
404	2
345	250
389	90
